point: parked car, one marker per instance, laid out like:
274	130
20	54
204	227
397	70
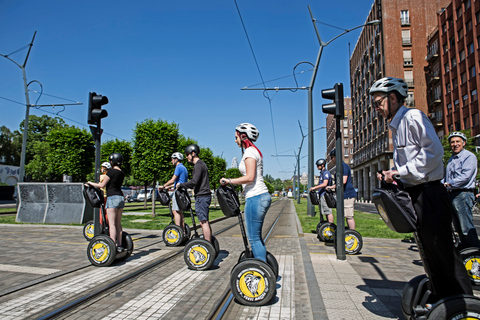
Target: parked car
132	198
141	195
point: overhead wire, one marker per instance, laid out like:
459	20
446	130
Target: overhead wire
265	92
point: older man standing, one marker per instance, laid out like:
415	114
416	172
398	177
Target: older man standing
460	183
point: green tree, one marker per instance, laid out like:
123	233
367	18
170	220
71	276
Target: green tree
71	152
268	178
154	141
37	168
183	142
9	148
234	173
269	186
120	146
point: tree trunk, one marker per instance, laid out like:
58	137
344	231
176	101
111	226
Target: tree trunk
153	196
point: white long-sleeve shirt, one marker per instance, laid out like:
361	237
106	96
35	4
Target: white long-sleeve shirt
417	150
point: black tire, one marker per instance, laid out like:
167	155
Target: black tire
326	232
199	254
101	251
88	230
127	244
172	235
458	307
273	263
408	295
253	282
471	261
216	245
353	242
318	227
188	232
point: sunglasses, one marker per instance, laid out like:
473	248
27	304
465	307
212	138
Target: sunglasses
375	104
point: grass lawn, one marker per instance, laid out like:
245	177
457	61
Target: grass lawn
368	224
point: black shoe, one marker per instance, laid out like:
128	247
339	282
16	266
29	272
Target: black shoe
120	249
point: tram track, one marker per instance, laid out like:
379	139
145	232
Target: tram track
76	303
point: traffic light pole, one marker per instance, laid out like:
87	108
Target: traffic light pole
97	133
340	232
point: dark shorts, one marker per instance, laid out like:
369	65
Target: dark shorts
202	205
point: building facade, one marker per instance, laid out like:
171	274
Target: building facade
398	50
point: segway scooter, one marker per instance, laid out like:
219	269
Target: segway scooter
396	209
172	235
326	230
252	281
199	253
102	250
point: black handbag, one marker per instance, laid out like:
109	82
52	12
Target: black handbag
183	199
228	200
330	198
164	197
313	197
93	196
395	207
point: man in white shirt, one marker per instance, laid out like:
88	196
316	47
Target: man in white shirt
417	155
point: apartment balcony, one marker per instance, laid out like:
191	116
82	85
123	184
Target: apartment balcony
405	21
407	62
407	41
410	83
433	101
432	56
432	78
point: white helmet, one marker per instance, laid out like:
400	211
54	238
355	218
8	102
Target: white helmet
107	165
457	134
249	129
177	155
389	84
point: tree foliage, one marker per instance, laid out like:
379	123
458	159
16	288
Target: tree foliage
71	152
119	146
10	146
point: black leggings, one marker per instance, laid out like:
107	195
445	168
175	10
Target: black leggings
442	261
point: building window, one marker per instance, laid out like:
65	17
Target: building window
445	48
454	83
467	4
468	26
457	126
471	72
407	57
460	33
452	42
406	40
462	55
345	152
454	62
449	108
444	27
447	67
456	103
475	119
404	17
470	48
465	100
448	88
473	94
463	77
466	123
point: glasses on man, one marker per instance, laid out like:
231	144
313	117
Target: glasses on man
377	103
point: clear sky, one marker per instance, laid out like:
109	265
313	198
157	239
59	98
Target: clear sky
181	61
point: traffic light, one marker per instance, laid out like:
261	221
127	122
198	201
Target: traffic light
95	103
336	94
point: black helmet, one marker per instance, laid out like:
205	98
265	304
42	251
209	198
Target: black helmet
192	148
320	162
332	153
116	159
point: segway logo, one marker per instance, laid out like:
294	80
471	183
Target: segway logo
199	256
172	236
351	243
100	252
473	268
252	285
382	212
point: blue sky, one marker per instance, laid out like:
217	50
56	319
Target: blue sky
181	61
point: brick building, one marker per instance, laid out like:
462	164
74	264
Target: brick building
398	50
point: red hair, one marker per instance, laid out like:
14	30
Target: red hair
247	143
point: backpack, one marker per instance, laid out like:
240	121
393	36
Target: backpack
183	199
228	200
164	197
313	197
93	196
330	198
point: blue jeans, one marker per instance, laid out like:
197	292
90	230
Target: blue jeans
463	202
255	210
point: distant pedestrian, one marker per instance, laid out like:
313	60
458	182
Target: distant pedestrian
115	200
349	193
257	197
323	181
200	183
180	175
460	183
417	155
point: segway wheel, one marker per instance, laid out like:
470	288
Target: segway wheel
101	251
471	261
199	254
188	232
216	245
457	307
410	292
172	235
273	263
326	232
88	231
252	282
127	243
353	242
